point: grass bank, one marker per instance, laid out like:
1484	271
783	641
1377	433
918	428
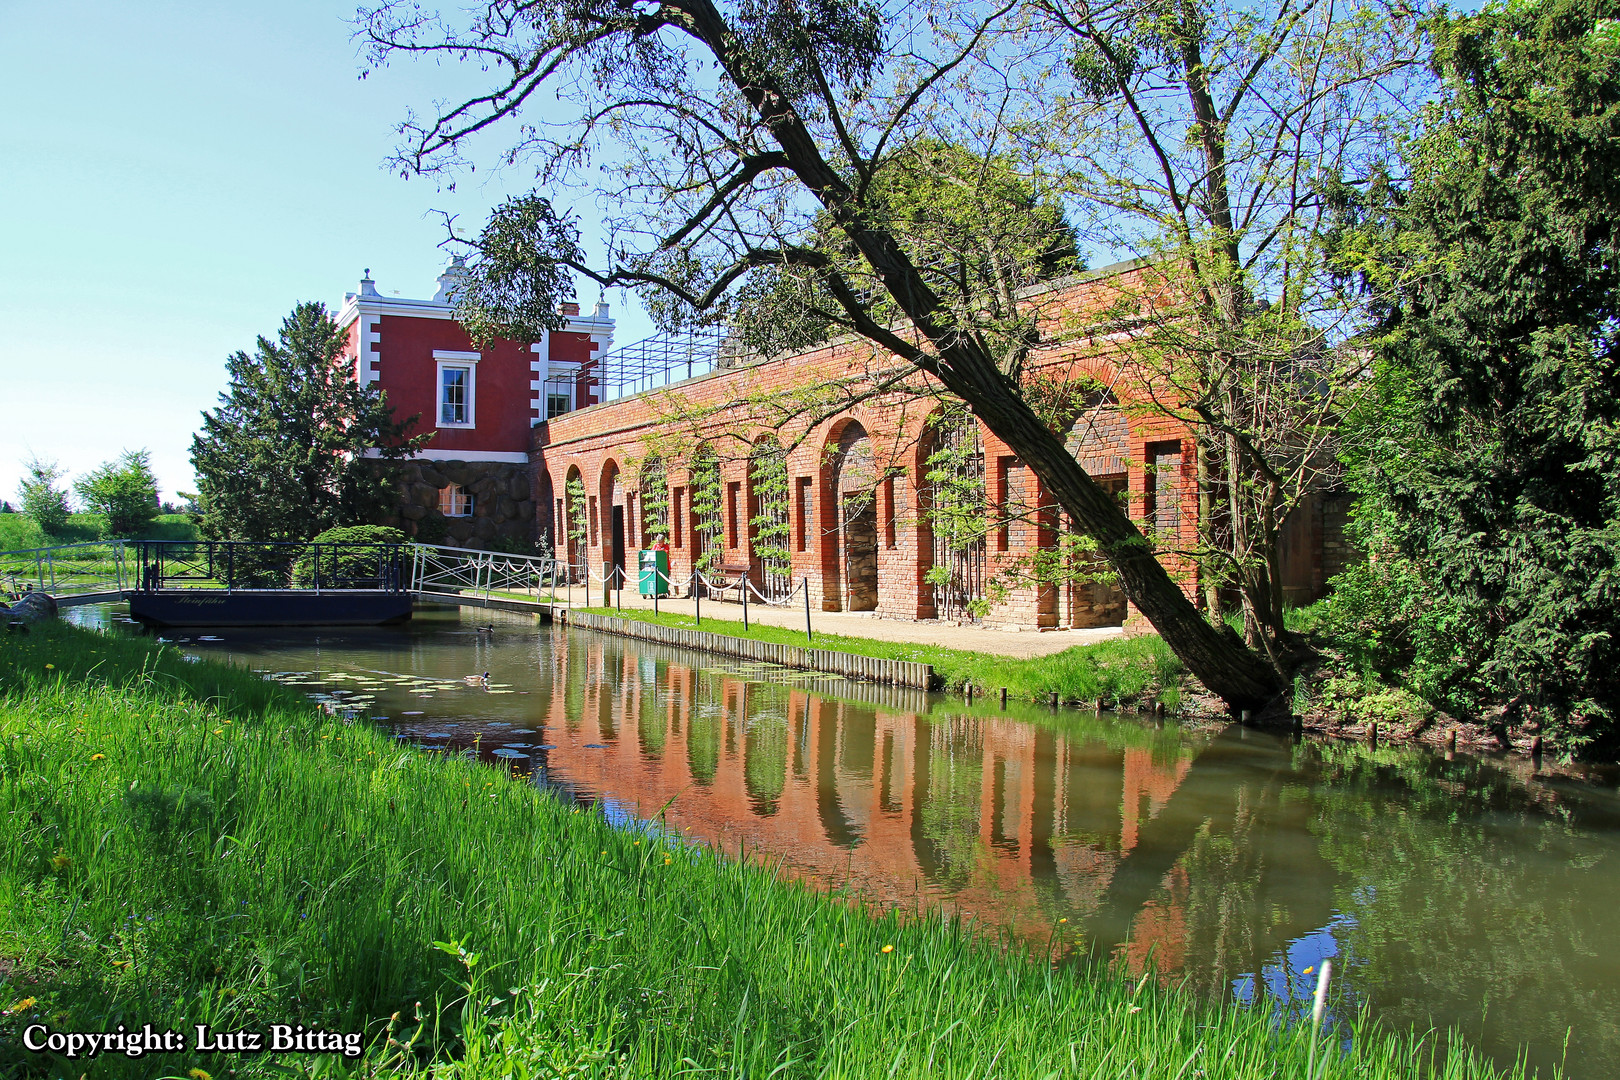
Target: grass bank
185	843
1125	671
20	531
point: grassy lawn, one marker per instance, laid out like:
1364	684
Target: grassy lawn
1123	671
19	531
186	843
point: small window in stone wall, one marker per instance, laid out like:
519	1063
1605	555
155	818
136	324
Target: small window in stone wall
455	501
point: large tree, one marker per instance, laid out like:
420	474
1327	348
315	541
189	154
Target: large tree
124	491
1496	462
284	455
734	130
1212	136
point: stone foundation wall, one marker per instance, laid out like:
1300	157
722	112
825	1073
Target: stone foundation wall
503	516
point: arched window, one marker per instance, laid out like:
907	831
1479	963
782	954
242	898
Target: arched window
455	501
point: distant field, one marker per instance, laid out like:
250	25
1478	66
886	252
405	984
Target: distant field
19	531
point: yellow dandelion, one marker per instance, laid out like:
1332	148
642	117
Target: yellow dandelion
50	667
667	860
199	1074
1310	969
219	731
23	1006
1063	920
98	757
888	948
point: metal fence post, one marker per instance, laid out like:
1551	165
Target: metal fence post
745	600
807	635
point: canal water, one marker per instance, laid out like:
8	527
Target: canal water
1473	893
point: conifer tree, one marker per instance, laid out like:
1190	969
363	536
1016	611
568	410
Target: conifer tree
282	458
1496	470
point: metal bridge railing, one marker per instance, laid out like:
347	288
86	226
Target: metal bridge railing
453	571
68	569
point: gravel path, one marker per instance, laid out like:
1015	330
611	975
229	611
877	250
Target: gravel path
1014	643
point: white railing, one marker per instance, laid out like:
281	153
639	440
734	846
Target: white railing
453	571
67	569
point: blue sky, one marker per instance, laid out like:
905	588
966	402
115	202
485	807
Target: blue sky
175	177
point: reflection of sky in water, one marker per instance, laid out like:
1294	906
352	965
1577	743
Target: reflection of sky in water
1290	977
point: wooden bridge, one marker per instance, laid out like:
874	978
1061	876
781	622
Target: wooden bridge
248	583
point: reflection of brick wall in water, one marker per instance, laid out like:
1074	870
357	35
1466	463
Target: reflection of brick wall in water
839	791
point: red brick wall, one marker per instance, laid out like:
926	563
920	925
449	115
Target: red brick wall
730	408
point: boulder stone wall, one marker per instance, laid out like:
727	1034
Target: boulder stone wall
503	513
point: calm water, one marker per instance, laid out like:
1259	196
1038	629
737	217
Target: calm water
1469	892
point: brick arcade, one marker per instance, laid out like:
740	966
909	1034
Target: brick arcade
530	443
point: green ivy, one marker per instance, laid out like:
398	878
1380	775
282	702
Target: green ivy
768	473
654	501
709	539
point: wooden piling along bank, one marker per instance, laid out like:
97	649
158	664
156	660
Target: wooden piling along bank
849	665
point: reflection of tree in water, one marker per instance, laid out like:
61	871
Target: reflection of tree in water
575	674
1210	925
650	726
765	750
1451	920
704	721
949	814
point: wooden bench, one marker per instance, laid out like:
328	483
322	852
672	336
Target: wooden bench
732	573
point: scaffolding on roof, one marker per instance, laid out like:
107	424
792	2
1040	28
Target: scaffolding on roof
638	367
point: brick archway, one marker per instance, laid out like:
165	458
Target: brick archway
852	488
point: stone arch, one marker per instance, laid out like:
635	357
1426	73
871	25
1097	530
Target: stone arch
545	516
614	518
852	487
1099	436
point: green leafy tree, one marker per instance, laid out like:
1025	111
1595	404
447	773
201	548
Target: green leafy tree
723	133
1495	467
282	458
41	499
124	491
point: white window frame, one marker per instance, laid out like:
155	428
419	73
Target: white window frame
459	499
465	361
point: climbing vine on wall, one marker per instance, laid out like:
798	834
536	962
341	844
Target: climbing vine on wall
654	501
958	514
578	528
768	475
708	536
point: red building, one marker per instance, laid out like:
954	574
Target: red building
470	484
674	442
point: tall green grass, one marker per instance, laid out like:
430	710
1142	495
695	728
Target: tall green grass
185	844
1120	671
21	531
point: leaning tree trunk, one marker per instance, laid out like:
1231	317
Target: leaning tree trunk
1214	654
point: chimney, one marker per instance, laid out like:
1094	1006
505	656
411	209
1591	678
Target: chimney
570	309
450	280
